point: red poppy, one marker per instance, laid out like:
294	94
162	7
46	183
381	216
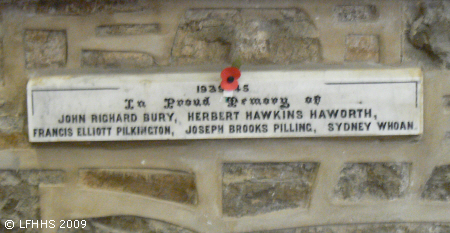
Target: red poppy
229	76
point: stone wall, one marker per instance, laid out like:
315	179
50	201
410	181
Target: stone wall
350	184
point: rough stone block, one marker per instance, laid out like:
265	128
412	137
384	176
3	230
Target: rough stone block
45	48
373	180
422	227
250	189
116	59
256	36
362	48
11	124
78	7
19	195
36	177
428	32
356	13
126	223
438	186
162	184
127	29
13	141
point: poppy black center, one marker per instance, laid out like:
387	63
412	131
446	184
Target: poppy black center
230	79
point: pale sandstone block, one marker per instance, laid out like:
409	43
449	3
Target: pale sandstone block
116	59
166	185
356	13
127	29
80	7
364	48
45	48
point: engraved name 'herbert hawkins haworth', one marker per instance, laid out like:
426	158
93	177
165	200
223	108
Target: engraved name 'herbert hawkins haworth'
267	104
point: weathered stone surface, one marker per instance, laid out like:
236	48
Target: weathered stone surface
77	7
11	124
126	224
256	36
45	48
1	63
19	197
362	48
373	180
116	59
163	184
370	228
356	13
13	140
429	31
446	102
250	189
127	29
438	186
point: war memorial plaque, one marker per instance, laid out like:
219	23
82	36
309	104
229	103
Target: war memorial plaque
267	104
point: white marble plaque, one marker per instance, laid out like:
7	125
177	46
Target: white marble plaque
268	104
